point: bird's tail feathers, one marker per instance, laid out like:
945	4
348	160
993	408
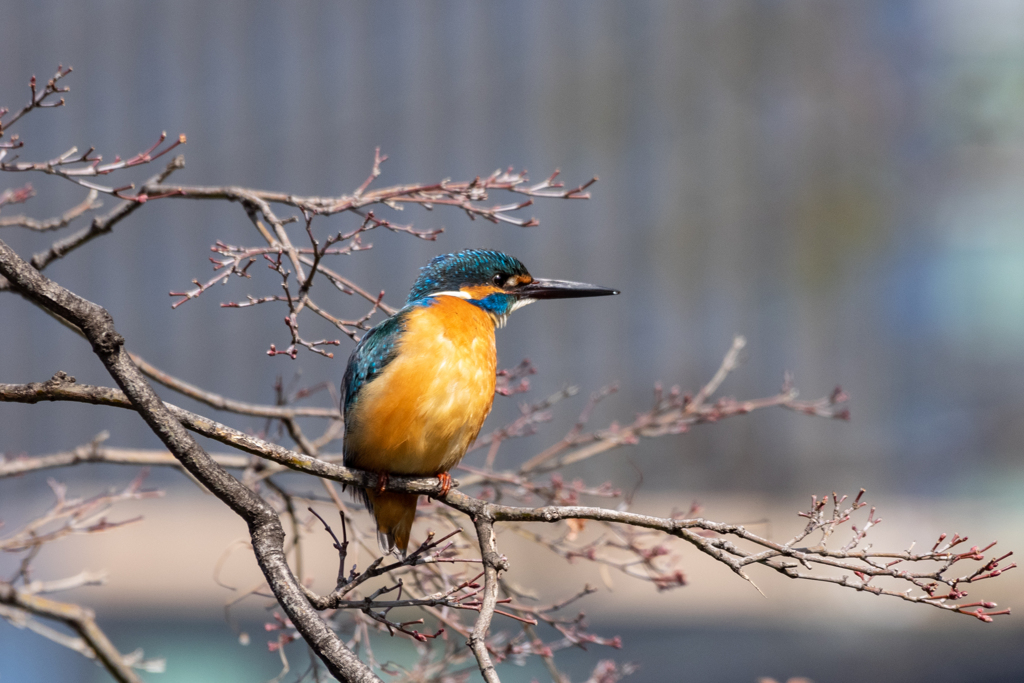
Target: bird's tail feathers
394	513
385	539
386	544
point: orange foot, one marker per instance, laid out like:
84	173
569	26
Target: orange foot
445	480
382	482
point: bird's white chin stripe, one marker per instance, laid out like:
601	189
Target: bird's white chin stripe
456	294
500	320
519	303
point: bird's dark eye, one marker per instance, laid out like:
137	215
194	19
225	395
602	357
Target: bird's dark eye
499	279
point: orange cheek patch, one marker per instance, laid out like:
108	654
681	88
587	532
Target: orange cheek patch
478	292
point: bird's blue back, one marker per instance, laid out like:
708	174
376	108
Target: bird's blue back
375	350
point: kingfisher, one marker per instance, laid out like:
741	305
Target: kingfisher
419	385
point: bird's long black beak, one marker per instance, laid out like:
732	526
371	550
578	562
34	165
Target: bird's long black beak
561	289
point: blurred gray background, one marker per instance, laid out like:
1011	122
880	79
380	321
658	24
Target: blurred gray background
838	181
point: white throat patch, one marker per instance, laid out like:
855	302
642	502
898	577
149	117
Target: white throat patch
520	303
500	320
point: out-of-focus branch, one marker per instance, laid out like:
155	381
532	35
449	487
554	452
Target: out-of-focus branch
93	452
94	643
74	516
17	195
101	225
19	604
674	414
89	204
230	405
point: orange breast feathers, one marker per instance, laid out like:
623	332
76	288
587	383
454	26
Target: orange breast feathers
423	411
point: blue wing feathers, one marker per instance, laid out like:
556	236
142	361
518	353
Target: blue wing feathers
375	350
373	353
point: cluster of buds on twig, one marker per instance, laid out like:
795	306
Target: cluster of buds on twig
38	100
77	167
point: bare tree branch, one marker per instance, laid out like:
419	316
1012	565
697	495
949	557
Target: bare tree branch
93	452
674	414
222	403
462	195
21	605
37	101
493	563
264	524
89	204
83	622
790	559
102	225
75	167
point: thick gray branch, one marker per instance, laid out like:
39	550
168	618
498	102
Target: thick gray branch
264	525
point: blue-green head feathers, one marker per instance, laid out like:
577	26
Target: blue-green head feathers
451	272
